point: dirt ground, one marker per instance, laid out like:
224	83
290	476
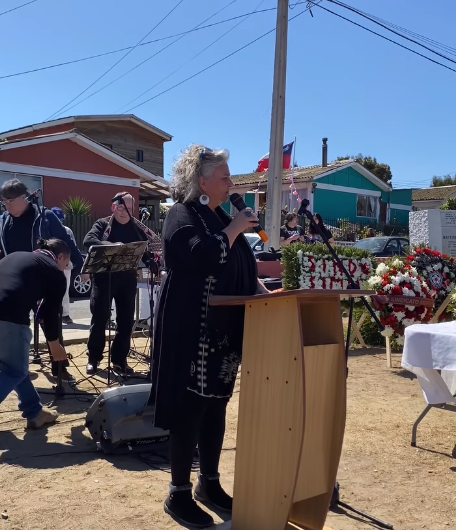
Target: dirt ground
55	478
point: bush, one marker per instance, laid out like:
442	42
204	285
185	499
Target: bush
370	332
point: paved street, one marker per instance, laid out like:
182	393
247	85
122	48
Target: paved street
79	308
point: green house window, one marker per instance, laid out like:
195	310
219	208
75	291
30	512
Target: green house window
367	206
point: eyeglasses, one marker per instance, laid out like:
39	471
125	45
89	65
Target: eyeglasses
7	202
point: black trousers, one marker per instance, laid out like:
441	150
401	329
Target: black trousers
200	421
123	292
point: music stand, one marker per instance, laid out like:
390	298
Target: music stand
106	259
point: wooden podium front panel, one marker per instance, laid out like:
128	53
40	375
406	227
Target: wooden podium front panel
271	413
291	413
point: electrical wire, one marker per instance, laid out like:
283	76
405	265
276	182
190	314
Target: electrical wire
368	17
116	63
386	38
18	7
219	61
418	36
90	57
147	59
193	58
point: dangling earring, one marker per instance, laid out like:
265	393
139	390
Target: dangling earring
204	199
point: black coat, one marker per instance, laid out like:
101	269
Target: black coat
198	347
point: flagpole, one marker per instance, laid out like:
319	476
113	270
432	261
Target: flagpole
275	173
293	162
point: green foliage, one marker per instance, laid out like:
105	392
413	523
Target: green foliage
76	206
446	180
290	262
163	211
449	205
381	171
369	332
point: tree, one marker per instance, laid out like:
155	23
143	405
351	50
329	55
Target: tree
445	180
381	171
449	205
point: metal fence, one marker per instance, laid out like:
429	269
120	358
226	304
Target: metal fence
348	230
81	224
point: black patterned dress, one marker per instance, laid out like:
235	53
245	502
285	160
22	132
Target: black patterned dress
198	347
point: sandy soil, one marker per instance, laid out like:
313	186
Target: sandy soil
54	478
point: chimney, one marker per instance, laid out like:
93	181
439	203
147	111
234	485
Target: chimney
324	154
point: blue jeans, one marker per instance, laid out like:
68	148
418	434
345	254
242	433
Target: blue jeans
14	368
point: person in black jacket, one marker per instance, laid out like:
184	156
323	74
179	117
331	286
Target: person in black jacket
198	347
25	279
23	224
119	228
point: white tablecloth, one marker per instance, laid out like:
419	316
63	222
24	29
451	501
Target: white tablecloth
428	349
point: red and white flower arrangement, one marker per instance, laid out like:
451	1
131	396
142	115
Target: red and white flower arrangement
322	272
439	272
395	279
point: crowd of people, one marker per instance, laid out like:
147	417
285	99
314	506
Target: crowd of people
193	370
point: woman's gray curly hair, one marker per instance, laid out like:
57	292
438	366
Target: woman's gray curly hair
195	162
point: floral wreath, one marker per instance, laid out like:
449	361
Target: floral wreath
394	279
438	271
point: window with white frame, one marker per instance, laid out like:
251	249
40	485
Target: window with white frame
367	206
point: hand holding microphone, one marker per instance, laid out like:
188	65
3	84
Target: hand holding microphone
238	202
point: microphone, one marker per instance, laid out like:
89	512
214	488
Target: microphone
33	195
238	202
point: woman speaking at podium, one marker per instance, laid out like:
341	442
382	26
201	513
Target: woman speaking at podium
198	347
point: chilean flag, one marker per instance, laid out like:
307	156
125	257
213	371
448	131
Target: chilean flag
263	163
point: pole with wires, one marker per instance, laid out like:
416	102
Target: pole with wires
274	190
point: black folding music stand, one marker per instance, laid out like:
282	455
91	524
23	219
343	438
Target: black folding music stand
106	259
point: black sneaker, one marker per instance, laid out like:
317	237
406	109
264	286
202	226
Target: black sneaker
66	376
122	369
91	367
210	491
67	320
183	508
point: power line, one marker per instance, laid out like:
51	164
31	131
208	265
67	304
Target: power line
194	57
369	17
418	36
386	38
104	54
148	58
220	60
18	7
117	62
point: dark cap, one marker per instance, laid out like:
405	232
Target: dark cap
13	188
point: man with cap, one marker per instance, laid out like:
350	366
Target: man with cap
66	319
24	223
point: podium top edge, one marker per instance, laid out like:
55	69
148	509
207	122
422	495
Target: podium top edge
295	293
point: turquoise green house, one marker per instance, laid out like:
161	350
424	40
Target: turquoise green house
340	190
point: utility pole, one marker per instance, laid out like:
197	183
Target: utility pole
274	190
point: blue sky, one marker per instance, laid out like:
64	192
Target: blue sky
363	93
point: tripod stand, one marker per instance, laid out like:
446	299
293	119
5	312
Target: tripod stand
108	259
335	501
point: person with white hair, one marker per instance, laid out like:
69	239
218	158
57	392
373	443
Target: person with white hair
120	227
198	347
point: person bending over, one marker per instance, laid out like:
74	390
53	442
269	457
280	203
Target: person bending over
25	279
198	347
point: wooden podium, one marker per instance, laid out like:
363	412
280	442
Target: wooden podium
292	408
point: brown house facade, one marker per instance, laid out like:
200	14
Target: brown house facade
93	157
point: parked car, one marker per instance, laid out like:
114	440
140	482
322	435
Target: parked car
383	247
78	288
255	242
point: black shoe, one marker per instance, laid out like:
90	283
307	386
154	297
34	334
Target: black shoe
183	508
209	490
67	320
91	367
122	369
66	376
